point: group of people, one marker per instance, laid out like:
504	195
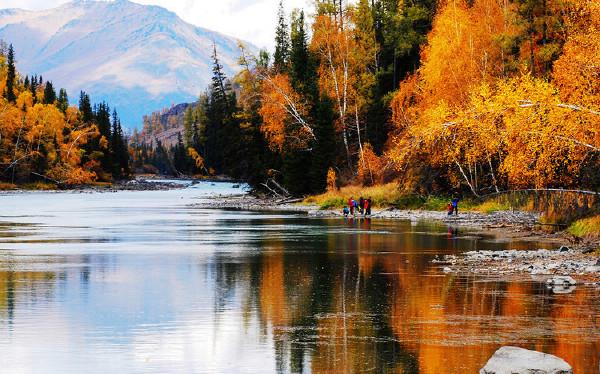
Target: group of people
362	206
453	205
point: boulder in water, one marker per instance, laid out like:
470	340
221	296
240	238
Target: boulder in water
515	360
561	281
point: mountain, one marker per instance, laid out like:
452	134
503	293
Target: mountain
137	58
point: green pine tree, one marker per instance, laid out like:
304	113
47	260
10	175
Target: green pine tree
85	108
33	88
282	41
63	100
49	94
323	153
9	91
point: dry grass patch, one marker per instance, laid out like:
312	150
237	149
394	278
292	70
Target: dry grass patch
7	186
586	228
381	195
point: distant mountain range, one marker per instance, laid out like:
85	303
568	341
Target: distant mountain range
137	58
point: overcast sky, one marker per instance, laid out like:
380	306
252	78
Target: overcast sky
250	20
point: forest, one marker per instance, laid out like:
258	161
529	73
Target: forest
473	95
477	96
45	141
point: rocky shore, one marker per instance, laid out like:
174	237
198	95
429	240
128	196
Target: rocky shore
503	219
541	264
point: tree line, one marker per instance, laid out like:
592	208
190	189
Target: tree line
43	138
473	95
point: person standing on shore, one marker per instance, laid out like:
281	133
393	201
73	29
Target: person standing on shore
455	200
361	205
368	207
351	205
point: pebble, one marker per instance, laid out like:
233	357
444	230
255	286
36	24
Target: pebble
541	262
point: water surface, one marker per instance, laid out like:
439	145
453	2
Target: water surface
133	282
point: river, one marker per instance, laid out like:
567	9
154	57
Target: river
132	282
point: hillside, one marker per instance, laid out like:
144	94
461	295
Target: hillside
140	58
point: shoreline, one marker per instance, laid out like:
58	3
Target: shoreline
570	256
140	182
580	259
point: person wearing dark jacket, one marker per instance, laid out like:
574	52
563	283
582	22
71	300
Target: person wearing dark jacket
455	200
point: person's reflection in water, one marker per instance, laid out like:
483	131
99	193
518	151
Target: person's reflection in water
453	232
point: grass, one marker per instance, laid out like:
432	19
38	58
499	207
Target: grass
7	186
490	206
390	195
586	228
382	196
38	186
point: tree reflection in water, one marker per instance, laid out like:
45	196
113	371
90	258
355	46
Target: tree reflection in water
354	296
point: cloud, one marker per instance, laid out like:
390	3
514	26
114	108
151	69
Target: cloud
253	21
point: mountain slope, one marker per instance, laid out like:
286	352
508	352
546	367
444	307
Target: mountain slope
138	58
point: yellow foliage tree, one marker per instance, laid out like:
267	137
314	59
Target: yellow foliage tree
284	114
347	52
370	167
463	48
331	180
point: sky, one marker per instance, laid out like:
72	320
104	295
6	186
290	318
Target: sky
250	20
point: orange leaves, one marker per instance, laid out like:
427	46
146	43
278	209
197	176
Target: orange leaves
71	175
463	49
370	167
198	160
284	115
518	124
331	180
577	71
38	139
46	123
461	113
25	100
346	48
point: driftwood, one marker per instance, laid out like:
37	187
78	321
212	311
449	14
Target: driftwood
283	193
289	201
58	183
265	185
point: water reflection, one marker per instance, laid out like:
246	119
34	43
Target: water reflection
257	293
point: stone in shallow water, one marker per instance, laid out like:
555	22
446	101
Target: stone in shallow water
515	360
562	281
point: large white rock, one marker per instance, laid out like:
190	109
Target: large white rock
515	360
562	281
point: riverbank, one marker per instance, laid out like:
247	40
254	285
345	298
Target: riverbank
565	255
137	184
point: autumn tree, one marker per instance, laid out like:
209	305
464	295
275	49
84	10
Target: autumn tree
346	73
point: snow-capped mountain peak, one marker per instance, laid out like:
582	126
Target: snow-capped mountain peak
138	58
